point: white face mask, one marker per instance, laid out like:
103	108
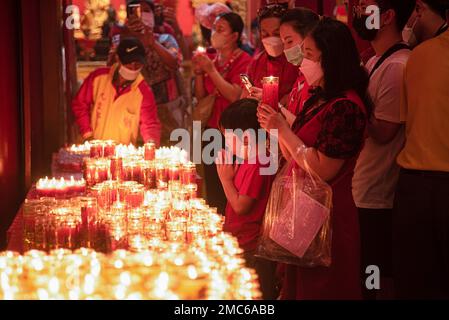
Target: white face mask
312	71
294	55
128	74
218	40
408	35
273	46
148	19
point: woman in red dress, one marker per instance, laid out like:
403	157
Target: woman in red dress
271	61
329	134
220	75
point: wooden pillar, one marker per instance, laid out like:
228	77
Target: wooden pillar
11	160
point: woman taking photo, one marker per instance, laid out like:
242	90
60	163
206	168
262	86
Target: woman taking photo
329	134
219	75
271	61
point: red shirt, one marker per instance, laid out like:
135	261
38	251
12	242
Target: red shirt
263	65
298	95
248	182
237	67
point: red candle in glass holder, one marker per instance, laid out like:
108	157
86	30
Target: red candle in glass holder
173	173
96	150
116	168
60	189
150	151
101	173
161	177
270	92
149	177
136	172
67	237
135	198
109	149
188	174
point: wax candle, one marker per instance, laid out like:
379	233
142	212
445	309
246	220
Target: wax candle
200	49
109	149
270	92
188	174
96	149
116	168
150	151
173	173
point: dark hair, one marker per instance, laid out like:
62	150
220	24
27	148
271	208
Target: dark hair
403	9
270	11
130	2
241	114
438	6
340	61
235	22
302	20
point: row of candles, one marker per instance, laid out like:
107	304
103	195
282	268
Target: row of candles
152	174
60	188
212	271
119	216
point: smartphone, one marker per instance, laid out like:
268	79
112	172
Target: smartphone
246	81
136	10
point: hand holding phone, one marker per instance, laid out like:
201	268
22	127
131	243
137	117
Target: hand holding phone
246	82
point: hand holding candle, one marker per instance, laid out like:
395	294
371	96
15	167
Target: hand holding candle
270	92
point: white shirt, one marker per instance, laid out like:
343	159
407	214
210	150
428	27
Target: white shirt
376	173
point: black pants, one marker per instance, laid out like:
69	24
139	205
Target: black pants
214	189
266	271
421	235
375	243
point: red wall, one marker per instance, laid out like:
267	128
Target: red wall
11	169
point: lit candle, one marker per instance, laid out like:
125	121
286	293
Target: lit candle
200	49
270	92
150	151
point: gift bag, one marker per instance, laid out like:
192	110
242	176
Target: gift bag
297	225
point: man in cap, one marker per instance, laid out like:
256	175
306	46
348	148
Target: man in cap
114	102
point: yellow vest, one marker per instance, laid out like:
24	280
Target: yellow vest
116	118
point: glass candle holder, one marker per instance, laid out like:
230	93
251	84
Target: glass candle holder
149	151
161	176
270	92
30	210
176	230
173	172
109	149
188	173
96	149
135	197
149	176
116	168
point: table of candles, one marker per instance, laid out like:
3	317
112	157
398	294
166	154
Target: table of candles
132	228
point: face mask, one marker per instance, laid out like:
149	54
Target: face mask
128	74
148	19
359	25
408	35
218	40
294	55
273	46
312	71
